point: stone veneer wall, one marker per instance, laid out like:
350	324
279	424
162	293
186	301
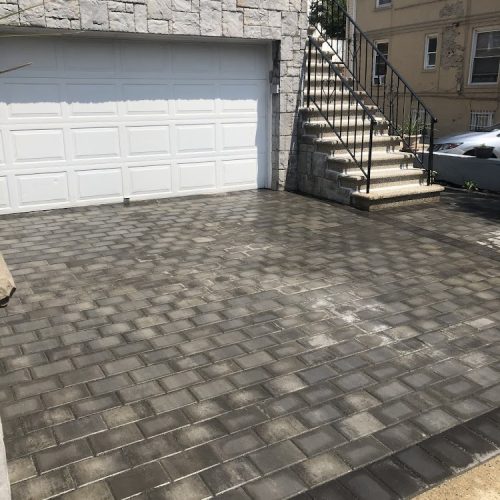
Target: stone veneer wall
284	21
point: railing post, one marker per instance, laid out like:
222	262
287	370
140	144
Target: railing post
370	148
309	74
430	160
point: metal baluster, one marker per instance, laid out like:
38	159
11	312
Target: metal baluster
309	74
370	148
430	161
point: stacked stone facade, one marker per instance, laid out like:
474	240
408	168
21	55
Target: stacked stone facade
282	22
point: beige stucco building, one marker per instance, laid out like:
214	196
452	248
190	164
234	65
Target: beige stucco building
448	50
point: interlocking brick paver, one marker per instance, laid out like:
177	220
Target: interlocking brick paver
136	480
321	468
252	345
95	468
191	487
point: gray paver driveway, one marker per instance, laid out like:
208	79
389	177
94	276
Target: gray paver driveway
261	342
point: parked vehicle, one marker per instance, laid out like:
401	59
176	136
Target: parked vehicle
471	143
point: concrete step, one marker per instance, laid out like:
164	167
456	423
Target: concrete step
353	124
318	64
386	178
401	195
336	95
325	78
354	109
329	145
381	160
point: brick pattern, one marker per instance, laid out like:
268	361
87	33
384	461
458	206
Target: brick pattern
250	343
420	467
283	22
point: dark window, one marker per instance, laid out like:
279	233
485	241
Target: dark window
380	66
486	63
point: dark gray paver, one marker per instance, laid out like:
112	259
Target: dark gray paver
247	343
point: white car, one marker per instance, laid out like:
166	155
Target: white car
465	144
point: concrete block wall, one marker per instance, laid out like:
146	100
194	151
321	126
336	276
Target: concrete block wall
283	22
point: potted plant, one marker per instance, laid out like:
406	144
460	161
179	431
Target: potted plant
412	132
483	151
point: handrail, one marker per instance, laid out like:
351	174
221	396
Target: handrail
341	77
407	115
330	109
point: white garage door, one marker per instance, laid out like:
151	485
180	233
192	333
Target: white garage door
97	121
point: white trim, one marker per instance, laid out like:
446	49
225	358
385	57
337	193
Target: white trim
426	51
473	54
378	5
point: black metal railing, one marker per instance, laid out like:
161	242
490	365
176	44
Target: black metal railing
342	108
371	71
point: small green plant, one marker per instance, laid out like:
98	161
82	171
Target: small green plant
330	16
412	127
470	186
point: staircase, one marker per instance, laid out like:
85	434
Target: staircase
361	144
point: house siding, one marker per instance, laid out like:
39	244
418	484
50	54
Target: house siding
282	21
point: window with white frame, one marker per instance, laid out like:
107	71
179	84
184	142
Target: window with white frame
384	3
379	64
431	45
485	57
481	120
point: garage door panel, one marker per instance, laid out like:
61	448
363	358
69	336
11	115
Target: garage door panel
240	172
88	99
195	138
42	189
146	99
2	154
240	63
112	119
41	56
133	61
198	60
32	100
149	180
240	98
197	176
38	145
89	56
194	98
96	143
4	194
99	184
148	140
239	136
